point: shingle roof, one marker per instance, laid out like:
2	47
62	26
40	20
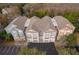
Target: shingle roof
20	21
33	21
62	22
41	25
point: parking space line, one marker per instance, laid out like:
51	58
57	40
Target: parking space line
8	49
5	49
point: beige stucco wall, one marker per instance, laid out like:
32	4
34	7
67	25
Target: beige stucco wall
64	32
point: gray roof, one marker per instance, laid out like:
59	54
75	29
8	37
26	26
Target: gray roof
41	25
20	22
62	22
33	21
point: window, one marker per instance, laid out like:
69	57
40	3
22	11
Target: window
29	37
46	37
52	39
21	34
35	37
52	34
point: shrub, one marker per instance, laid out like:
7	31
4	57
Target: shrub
68	51
71	39
7	37
76	24
40	13
72	17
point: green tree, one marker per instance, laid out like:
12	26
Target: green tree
7	37
73	18
40	13
71	39
76	24
71	43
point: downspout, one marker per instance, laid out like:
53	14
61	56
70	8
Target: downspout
25	27
24	31
56	27
56	33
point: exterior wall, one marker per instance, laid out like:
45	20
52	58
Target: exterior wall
32	37
18	35
21	35
64	32
49	37
45	38
15	35
9	28
71	26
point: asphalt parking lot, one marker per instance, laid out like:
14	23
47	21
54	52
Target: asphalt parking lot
13	50
9	50
48	47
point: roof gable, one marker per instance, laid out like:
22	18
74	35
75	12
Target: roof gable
41	25
20	22
62	22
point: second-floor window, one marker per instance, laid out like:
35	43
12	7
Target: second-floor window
35	37
46	37
32	37
49	37
29	37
